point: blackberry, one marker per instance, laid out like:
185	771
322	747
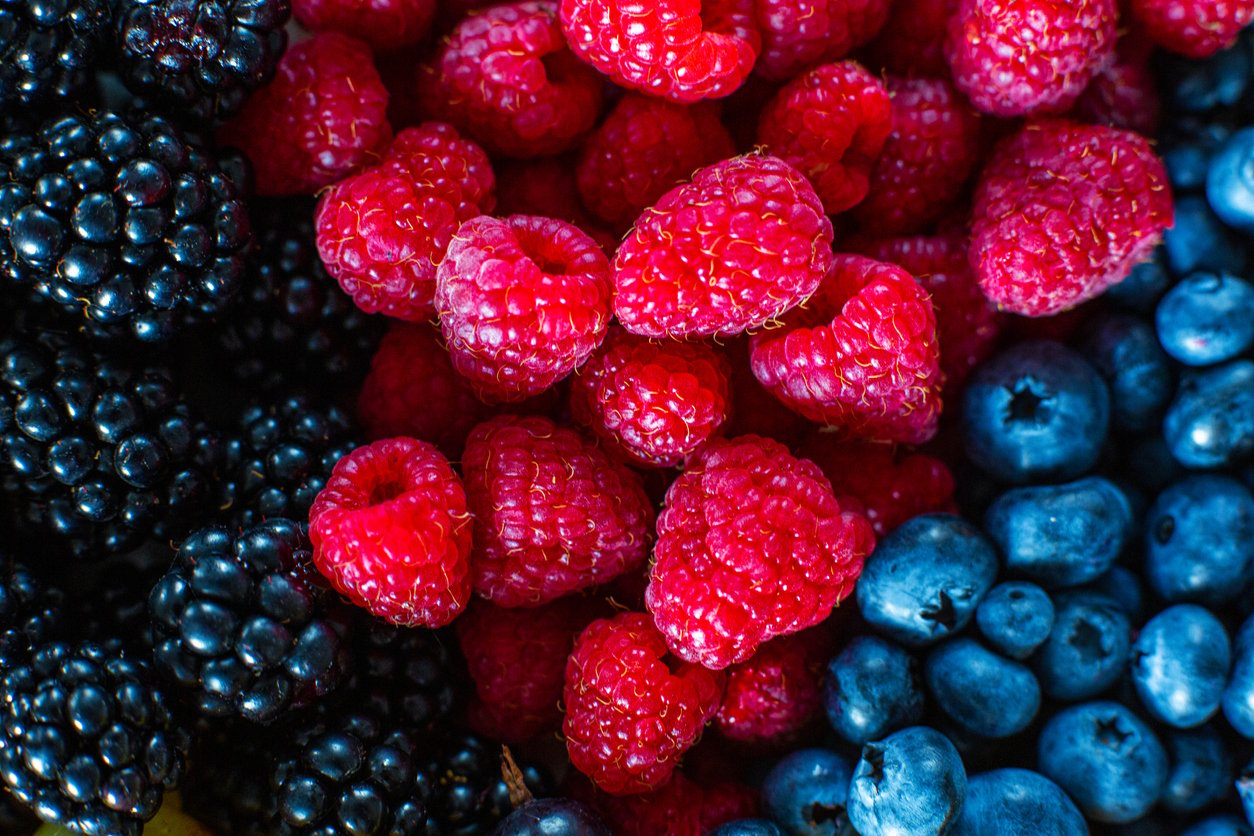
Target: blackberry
48	50
405	674
246	624
86	739
200	57
98	452
121	219
228	779
30	614
468	794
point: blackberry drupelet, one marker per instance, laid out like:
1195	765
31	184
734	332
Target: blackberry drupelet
122	220
87	740
98	452
468	794
246	625
30	614
404	674
200	57
48	50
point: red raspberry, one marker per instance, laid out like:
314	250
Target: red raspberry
553	513
680	808
517	658
751	545
505	77
888	484
1063	211
412	390
1196	28
830	124
771	696
384	24
1013	57
323	115
1124	95
632	712
741	244
682	50
382	232
799	34
861	355
642	149
391	532
656	402
546	186
912	42
967	324
755	411
522	300
927	159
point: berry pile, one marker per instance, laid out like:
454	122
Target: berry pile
600	418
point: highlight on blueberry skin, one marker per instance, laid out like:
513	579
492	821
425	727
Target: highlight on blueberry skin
1017	802
1180	664
1230	181
1207	318
1199	540
1210	420
1202	771
872	688
912	781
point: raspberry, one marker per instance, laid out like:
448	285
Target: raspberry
682	50
680	808
323	115
517	658
912	42
771	696
926	161
1062	211
1013	57
553	513
391	532
1124	94
656	402
522	300
412	390
643	148
1196	28
888	484
742	243
382	232
384	24
631	712
506	77
830	123
751	545
799	34
755	411
967	324
861	355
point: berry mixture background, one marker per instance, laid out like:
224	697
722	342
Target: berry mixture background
627	417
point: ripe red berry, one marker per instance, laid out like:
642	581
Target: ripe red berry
382	232
323	115
655	402
546	186
682	807
391	532
742	243
1196	28
678	49
522	301
861	356
751	544
631	711
755	411
384	24
912	42
771	696
830	124
1062	211
553	513
1123	95
799	34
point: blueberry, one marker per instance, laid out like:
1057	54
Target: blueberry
1245	791
1200	241
1125	352
1088	648
1142	287
1230	181
1195	86
912	781
1038	411
872	688
1207	318
806	792
1180	664
1201	770
1106	758
1210	422
925	579
1199	540
986	694
1238	698
1015	617
1124	587
748	827
1222	825
552	817
1017	802
1060	535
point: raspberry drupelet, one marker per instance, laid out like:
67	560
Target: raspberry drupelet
860	356
742	243
799	34
1195	28
382	232
391	532
323	115
682	50
522	301
751	545
631	710
553	513
771	696
384	24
